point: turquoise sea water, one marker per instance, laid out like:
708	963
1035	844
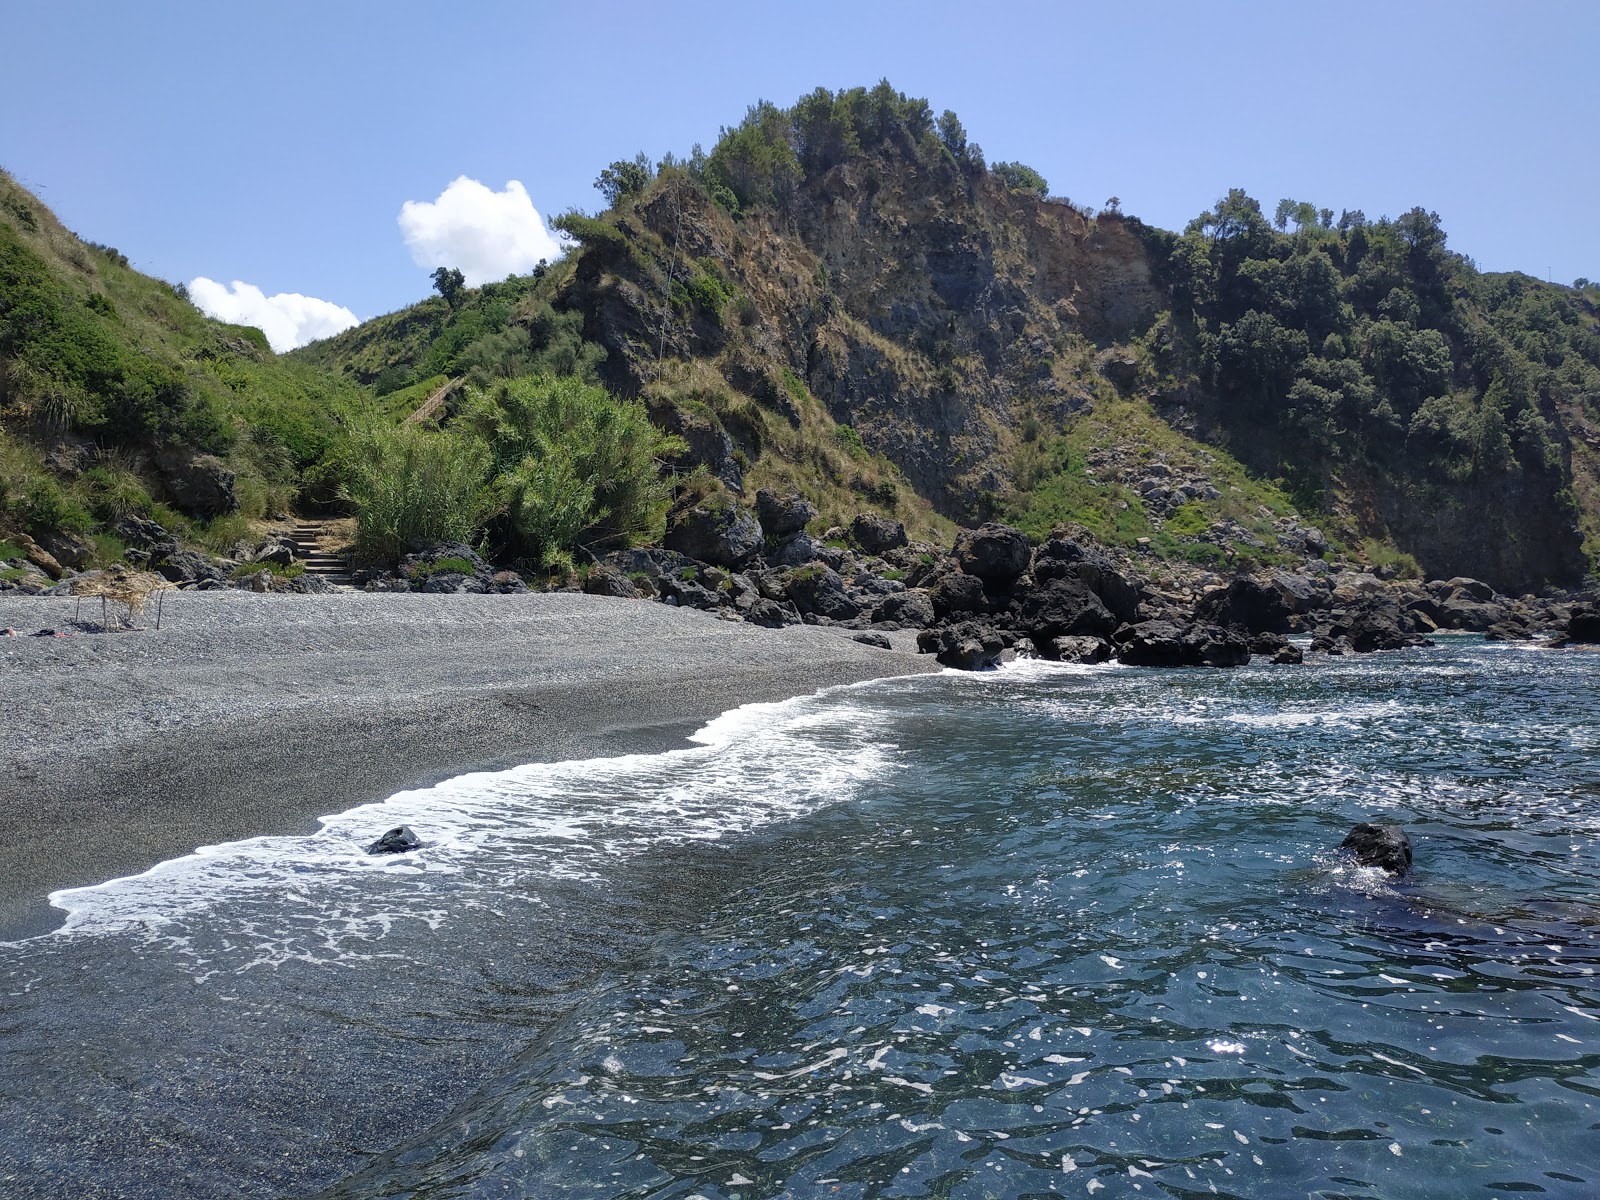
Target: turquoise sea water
1044	931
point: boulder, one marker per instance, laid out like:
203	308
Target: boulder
1061	608
875	534
199	484
782	517
279	550
996	554
717	531
958	593
820	591
1298	593
967	646
794	551
911	608
876	640
188	567
1288	655
1168	644
1078	649
1063	558
774	614
1248	605
1384	846
606	580
1584	626
1377	624
68	548
399	840
1467	589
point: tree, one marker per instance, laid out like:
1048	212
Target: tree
624	178
1019	177
448	282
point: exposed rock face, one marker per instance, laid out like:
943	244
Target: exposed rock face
606	580
996	554
912	609
1583	626
722	534
1061	608
1383	846
1080	650
399	840
820	591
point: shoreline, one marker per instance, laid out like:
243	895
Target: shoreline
247	715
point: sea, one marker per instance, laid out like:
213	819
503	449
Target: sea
1047	930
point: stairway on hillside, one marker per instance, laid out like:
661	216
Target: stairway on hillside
312	537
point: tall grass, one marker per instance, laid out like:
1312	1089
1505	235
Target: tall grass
413	487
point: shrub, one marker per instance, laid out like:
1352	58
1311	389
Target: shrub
413	487
245	570
574	466
450	564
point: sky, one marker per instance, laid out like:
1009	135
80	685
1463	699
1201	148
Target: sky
305	165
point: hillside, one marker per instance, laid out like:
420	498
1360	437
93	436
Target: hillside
844	299
119	400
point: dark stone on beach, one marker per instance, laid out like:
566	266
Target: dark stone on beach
1248	605
968	646
911	608
1063	558
873	639
958	593
717	532
278	550
1061	608
1584	626
782	517
1384	846
875	534
996	554
793	551
773	614
399	840
1168	644
820	591
1078	649
445	583
608	581
186	567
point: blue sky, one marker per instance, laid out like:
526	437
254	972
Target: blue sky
275	144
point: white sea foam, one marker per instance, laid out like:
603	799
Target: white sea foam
492	837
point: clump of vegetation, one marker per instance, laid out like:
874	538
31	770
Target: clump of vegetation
450	564
279	570
413	487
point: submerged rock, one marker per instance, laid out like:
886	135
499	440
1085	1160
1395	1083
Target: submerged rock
1384	846
399	840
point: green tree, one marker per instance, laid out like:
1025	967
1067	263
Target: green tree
1019	177
448	282
624	178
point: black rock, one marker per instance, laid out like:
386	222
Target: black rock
875	534
782	517
199	484
1288	655
873	639
1384	846
820	591
1247	605
774	614
1168	644
717	532
1078	649
1584	625
603	580
399	840
996	554
1061	608
957	593
969	646
908	608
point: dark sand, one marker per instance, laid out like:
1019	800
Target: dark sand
247	715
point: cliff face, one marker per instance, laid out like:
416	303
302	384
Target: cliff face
930	312
957	327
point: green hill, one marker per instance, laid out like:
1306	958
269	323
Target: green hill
843	298
118	398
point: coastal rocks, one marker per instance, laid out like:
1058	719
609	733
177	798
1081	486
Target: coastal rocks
1167	644
402	839
968	646
875	534
1382	846
718	532
783	517
187	568
995	554
876	640
1063	558
912	609
958	593
820	591
1374	623
1061	608
147	541
604	580
1078	650
1583	628
1248	605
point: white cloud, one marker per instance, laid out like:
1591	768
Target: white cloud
288	319
486	235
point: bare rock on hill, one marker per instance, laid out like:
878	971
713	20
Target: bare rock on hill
717	532
199	484
875	534
781	517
